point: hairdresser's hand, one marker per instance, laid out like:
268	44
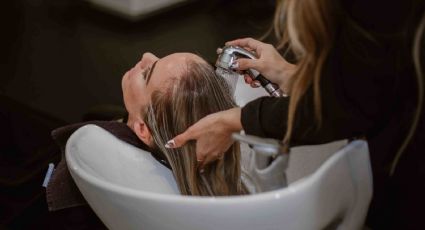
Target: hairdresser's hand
269	63
213	135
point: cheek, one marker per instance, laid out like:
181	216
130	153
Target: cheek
135	97
126	90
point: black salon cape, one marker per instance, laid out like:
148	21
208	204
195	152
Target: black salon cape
369	89
61	191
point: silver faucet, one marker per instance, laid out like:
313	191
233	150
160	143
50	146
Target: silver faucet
267	166
229	54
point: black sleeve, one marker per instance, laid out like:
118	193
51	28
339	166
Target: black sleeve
265	117
343	116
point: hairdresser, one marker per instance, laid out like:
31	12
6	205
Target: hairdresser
353	76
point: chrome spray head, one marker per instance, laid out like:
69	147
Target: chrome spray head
225	65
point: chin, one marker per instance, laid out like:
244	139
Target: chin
123	81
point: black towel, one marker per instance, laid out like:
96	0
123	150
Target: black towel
62	191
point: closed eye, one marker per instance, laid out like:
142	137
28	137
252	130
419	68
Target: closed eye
151	69
144	73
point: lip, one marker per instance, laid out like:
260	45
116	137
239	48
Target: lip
127	76
129	73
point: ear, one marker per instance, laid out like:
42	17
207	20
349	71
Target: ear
143	133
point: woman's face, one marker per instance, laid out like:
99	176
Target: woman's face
149	74
134	85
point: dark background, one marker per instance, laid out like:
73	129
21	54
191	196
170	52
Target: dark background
64	57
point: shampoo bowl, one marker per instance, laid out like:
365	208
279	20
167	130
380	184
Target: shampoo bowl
128	189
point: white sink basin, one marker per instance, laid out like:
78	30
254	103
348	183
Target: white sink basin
129	189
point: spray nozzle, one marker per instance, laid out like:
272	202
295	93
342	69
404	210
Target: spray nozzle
226	59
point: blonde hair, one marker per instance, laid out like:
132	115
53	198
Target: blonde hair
184	101
307	28
419	65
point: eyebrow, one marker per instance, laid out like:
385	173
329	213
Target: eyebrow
150	72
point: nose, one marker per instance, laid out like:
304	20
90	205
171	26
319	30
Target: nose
147	59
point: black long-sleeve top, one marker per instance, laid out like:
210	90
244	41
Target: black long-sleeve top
368	87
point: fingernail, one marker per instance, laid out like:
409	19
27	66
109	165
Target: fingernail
219	50
235	65
170	144
256	84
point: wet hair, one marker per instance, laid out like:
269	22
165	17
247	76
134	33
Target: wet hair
184	101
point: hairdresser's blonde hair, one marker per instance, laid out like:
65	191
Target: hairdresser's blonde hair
307	27
183	102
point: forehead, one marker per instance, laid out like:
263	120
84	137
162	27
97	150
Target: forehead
170	67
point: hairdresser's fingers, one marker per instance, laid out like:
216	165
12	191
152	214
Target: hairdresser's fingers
255	84
212	147
205	157
220	156
251	82
209	158
200	162
245	63
247	42
213	134
248	79
181	139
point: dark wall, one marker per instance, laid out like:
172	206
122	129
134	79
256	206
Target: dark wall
63	56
